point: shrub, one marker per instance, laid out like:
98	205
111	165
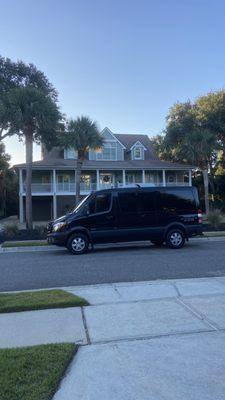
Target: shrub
215	218
11	231
40	231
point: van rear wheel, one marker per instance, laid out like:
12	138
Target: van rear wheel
78	243
175	238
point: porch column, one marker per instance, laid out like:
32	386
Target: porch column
143	176
124	177
164	177
54	195
21	211
98	180
75	180
190	177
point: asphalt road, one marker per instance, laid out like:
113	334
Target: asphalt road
34	270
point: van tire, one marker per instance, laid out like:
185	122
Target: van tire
78	243
175	238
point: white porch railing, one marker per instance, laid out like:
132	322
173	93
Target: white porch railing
40	188
85	188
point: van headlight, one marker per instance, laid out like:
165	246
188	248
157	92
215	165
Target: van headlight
58	226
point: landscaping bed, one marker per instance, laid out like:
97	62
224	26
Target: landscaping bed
15	234
209	228
39	300
33	373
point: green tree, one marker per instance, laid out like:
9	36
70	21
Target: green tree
163	152
81	134
191	141
28	108
8	184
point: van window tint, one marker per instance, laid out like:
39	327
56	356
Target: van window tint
146	201
100	203
177	199
128	202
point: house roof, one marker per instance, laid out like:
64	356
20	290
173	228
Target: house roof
54	159
60	163
128	140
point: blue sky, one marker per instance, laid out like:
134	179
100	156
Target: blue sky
122	62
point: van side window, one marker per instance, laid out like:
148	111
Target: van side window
177	199
128	202
146	201
100	203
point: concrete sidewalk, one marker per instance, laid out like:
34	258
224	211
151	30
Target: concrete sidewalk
139	341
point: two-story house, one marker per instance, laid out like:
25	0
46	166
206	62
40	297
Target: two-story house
124	160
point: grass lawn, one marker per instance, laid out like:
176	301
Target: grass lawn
33	373
24	243
214	234
39	300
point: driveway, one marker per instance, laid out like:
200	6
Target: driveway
35	270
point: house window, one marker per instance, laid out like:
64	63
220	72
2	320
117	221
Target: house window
108	152
137	153
70	154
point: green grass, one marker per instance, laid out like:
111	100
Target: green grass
40	300
24	243
214	234
33	373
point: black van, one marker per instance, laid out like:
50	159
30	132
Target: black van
162	215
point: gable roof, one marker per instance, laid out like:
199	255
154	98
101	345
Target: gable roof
128	140
138	144
106	129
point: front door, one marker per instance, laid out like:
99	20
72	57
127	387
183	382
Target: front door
106	180
63	183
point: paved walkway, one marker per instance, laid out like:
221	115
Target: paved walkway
139	341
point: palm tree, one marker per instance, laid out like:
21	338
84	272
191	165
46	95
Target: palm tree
82	134
198	149
27	108
33	117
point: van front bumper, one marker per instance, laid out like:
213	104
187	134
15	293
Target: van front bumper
57	238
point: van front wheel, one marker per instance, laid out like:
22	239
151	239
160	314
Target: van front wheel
175	238
78	243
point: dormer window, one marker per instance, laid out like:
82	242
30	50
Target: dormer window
137	151
70	154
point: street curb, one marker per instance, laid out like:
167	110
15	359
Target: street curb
25	249
171	281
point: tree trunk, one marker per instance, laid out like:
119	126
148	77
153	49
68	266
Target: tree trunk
78	175
29	159
206	189
211	180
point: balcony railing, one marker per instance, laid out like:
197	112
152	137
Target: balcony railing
85	188
40	187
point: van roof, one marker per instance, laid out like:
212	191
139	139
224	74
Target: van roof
131	188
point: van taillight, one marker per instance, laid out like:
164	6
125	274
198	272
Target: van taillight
200	216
